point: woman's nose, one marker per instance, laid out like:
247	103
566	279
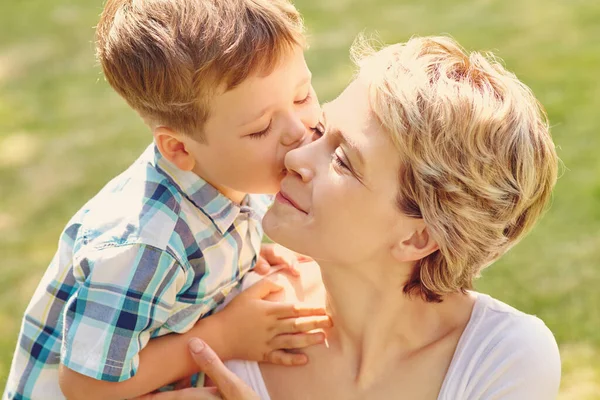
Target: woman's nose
298	161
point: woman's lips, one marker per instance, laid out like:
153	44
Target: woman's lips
285	199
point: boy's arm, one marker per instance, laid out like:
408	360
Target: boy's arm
124	293
163	361
248	328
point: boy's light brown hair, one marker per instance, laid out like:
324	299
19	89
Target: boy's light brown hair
478	161
166	58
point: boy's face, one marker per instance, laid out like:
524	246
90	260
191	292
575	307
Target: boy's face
253	126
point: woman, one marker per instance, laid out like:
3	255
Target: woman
431	165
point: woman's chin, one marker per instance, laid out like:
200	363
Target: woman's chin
270	225
281	231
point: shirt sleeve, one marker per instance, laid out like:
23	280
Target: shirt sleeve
126	292
525	365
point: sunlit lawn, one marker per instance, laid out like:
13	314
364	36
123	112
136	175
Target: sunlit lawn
64	133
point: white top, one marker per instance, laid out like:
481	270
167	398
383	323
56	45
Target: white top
503	354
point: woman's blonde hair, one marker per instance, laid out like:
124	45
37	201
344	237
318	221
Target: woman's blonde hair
478	161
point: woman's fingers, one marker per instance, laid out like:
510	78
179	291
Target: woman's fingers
230	386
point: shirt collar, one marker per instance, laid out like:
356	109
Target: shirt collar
219	208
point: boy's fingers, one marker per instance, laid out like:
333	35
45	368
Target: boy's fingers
292	325
266	249
303	258
293	268
280	260
287	310
277	254
262	267
262	289
281	357
290	265
229	385
296	341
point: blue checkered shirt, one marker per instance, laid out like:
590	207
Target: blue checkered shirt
155	250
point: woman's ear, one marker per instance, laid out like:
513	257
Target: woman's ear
172	146
415	246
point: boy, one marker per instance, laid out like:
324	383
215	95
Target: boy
163	243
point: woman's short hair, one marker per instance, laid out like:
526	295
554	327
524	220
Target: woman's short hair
477	160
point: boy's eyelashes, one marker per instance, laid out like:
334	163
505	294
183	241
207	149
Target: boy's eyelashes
304	100
318	131
263	133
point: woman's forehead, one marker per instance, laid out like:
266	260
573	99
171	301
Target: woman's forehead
350	112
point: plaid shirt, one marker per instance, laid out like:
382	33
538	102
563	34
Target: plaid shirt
155	250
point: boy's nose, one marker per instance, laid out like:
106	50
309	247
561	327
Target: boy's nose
295	134
296	162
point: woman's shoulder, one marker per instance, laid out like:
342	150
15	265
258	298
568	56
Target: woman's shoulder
509	326
504	349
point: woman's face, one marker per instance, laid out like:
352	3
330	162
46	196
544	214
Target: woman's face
337	201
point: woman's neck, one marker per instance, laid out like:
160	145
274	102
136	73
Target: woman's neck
376	324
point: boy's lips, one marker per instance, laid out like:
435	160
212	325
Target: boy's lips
284	198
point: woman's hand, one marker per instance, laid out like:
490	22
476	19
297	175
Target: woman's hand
229	386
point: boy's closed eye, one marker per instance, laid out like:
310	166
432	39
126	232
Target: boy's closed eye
263	133
305	100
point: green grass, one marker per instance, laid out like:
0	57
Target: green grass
64	133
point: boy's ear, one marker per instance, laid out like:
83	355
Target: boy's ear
172	146
415	246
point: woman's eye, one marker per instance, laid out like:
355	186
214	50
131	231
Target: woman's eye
318	131
339	161
304	100
261	134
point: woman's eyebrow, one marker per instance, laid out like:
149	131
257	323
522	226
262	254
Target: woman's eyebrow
352	150
348	143
344	139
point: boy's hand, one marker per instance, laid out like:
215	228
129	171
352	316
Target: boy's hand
272	254
260	330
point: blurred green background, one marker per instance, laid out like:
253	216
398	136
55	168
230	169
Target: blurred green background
64	134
